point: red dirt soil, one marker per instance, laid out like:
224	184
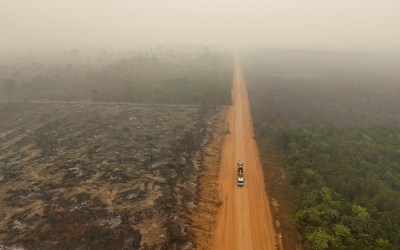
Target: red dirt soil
244	220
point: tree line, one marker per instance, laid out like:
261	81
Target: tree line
159	75
337	128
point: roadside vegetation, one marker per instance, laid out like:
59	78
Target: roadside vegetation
334	119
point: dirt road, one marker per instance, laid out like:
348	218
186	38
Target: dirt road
244	220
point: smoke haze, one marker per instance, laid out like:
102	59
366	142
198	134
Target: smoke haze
317	24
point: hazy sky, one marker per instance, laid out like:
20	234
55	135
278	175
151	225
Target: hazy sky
343	24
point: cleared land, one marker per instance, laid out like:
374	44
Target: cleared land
103	176
244	221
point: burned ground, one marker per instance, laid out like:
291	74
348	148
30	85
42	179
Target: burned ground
101	176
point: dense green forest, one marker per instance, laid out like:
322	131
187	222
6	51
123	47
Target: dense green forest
157	75
335	120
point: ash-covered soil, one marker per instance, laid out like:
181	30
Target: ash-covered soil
97	176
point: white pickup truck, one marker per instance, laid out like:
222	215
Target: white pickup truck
240	174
